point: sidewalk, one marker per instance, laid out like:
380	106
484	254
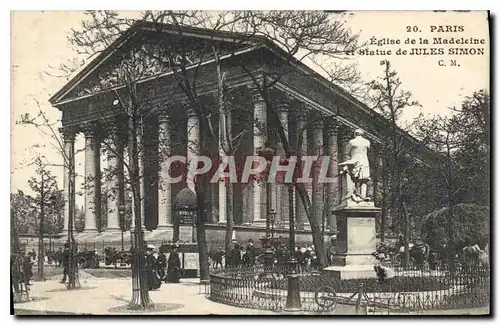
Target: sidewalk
111	296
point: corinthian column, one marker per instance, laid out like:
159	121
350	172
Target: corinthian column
259	140
282	206
113	182
69	159
333	188
193	138
301	115
164	187
91	174
317	187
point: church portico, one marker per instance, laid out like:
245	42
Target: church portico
171	125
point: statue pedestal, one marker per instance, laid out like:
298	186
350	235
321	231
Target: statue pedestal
356	241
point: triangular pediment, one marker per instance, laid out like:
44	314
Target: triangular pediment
146	51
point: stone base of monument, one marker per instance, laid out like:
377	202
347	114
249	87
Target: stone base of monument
356	241
187	233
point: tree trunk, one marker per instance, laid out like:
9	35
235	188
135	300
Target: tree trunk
40	231
140	290
229	216
200	230
317	238
406	225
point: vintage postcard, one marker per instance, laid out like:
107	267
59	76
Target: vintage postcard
250	162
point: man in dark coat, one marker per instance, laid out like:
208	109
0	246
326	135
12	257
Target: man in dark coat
33	255
251	252
27	269
218	258
174	266
59	257
65	262
236	256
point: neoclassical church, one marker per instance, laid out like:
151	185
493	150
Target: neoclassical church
303	100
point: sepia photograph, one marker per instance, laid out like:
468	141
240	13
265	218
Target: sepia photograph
250	162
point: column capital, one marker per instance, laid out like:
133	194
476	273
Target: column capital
163	115
190	111
318	124
68	133
90	129
332	126
301	112
283	103
255	91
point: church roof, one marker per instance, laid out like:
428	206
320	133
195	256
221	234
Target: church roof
144	27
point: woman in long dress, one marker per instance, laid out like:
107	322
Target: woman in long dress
174	266
153	281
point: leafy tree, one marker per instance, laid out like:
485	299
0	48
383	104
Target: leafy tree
470	226
461	174
22	213
473	155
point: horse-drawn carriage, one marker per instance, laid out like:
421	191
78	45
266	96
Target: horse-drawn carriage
87	260
113	257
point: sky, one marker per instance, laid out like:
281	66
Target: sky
39	42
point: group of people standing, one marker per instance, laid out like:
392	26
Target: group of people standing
159	269
243	256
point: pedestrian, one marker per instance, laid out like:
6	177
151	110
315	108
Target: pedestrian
58	257
252	252
161	264
33	255
27	268
65	262
236	256
153	281
218	258
174	265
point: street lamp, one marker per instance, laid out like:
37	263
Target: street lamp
272	220
121	211
293	290
267	153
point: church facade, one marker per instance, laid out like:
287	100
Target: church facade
303	101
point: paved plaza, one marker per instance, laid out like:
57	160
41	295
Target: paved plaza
110	296
100	296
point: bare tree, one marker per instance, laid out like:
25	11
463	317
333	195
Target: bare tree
299	34
44	186
390	101
48	129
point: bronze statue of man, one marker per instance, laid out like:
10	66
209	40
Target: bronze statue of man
357	165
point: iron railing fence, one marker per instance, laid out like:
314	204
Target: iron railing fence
444	287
